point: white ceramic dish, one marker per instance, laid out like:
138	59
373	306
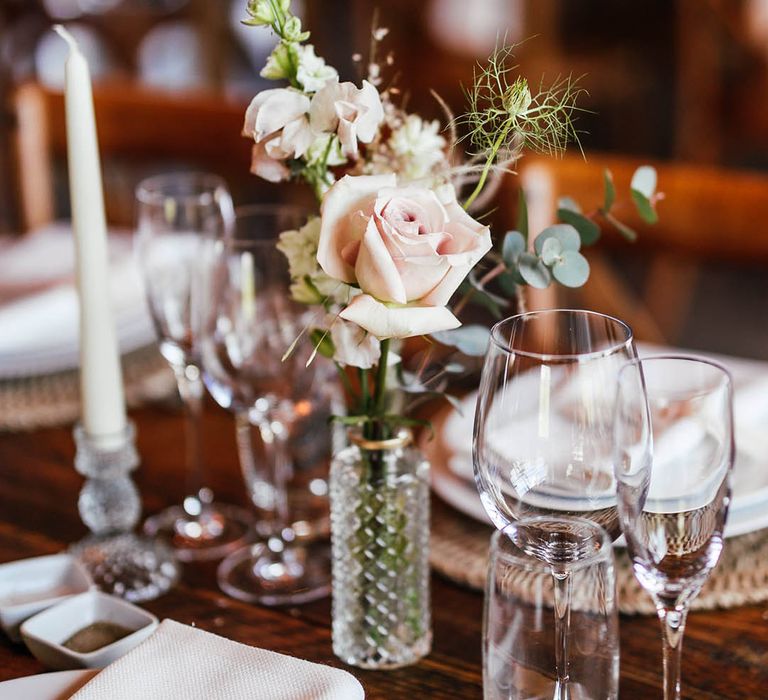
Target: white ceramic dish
45	633
29	586
45	686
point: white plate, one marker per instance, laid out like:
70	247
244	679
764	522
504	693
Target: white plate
451	459
46	686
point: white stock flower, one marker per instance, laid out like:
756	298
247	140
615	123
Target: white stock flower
354	114
278	66
313	72
418	147
310	285
353	346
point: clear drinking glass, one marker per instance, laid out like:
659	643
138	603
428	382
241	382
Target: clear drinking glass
543	438
518	623
249	322
674	454
175	214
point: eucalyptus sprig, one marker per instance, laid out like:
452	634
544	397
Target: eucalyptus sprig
504	117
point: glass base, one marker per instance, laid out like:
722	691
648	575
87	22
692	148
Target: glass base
373	659
264	574
217	531
134	568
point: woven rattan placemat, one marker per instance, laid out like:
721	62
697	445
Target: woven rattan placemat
459	551
28	403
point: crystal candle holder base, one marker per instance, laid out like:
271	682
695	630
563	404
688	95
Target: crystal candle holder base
120	562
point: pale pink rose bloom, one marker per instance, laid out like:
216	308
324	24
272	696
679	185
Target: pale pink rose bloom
402	245
353	114
280	113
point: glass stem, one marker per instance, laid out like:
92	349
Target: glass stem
672	630
191	390
274	434
562	599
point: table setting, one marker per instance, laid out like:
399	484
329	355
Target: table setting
274	532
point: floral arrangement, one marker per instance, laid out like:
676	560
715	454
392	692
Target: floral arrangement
393	244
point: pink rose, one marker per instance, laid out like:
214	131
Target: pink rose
401	245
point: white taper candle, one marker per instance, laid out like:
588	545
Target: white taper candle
101	384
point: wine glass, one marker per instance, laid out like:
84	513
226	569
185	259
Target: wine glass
175	213
543	440
254	367
674	455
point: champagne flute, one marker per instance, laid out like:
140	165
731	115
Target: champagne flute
176	212
674	456
249	322
543	441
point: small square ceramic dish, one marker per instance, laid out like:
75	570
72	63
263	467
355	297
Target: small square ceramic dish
29	586
46	633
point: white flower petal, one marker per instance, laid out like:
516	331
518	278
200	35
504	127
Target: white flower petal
401	322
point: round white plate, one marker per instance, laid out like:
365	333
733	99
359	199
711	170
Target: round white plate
61	685
451	458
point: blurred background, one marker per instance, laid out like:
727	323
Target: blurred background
678	82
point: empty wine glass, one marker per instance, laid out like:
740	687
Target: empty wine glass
674	454
518	629
175	213
543	439
249	324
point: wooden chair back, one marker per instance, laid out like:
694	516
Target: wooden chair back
708	215
136	126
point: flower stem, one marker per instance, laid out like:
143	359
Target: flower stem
381	377
488	163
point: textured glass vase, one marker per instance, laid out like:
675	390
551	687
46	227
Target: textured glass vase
380	538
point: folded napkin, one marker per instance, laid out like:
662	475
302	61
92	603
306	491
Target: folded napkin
179	662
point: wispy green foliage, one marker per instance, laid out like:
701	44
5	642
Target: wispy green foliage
504	116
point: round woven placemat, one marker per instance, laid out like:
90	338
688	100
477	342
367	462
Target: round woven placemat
459	551
28	403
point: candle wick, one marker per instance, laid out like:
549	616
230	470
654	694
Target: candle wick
64	33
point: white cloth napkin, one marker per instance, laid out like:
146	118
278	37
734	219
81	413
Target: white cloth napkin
179	662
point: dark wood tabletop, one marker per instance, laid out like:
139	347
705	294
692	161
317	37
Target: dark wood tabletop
725	653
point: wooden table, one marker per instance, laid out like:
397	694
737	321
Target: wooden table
725	653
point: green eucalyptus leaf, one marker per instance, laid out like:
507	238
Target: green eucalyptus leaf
551	251
567	235
572	269
534	271
629	233
588	230
644	207
644	181
522	215
513	245
610	190
568	203
471	340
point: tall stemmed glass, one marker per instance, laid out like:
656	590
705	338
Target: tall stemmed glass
543	440
674	455
249	324
175	213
